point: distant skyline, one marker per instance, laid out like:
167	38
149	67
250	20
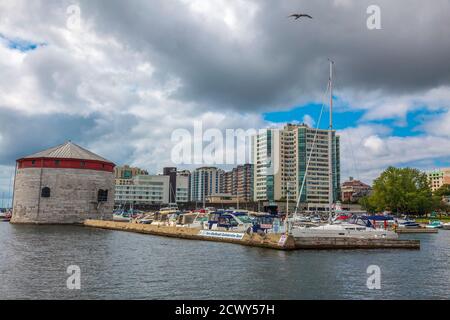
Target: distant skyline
124	76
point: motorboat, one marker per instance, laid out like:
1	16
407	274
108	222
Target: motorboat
435	224
268	223
408	224
229	221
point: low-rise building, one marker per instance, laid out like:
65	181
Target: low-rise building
144	190
124	174
353	190
224	198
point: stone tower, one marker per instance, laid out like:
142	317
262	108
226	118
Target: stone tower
63	185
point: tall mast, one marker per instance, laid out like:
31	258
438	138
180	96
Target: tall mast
330	145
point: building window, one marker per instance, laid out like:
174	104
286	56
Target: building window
33	163
57	162
102	195
83	164
45	192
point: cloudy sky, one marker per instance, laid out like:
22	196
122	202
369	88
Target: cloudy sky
121	79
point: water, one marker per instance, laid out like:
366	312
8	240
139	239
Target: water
119	265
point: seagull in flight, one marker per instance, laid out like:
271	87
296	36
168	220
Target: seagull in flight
299	15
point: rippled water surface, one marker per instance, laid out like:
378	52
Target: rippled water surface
119	265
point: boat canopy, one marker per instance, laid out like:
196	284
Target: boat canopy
378	218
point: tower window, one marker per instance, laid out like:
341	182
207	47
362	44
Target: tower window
102	195
45	192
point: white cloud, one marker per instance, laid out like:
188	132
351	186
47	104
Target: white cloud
130	76
369	149
375	146
307	119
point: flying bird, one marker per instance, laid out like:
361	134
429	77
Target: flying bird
299	15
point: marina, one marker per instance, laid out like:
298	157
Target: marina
128	265
278	241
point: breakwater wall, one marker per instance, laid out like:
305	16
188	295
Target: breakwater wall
271	241
352	243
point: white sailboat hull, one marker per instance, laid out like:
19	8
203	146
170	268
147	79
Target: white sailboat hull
342	231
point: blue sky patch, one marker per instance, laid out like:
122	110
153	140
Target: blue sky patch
341	120
20	44
345	118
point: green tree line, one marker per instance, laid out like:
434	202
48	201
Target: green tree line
405	191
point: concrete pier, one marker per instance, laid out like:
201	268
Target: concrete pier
352	243
416	230
271	240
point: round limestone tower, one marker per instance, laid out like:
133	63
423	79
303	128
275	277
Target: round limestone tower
63	185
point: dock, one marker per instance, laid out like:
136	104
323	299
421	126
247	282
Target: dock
352	243
270	240
416	230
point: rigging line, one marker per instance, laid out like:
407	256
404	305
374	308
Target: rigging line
352	151
312	149
355	166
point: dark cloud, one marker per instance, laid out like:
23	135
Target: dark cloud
21	134
283	62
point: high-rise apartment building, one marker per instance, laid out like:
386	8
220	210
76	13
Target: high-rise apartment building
206	181
239	182
183	186
171	172
280	159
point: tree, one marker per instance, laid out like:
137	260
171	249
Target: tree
443	191
402	190
367	204
439	196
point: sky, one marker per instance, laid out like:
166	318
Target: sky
119	77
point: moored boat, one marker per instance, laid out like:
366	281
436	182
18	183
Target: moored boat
5	216
121	217
408	224
435	224
343	230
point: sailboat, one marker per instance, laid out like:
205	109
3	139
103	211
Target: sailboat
357	229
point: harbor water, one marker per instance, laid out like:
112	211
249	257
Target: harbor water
120	265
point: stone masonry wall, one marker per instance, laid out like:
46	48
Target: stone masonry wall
73	195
